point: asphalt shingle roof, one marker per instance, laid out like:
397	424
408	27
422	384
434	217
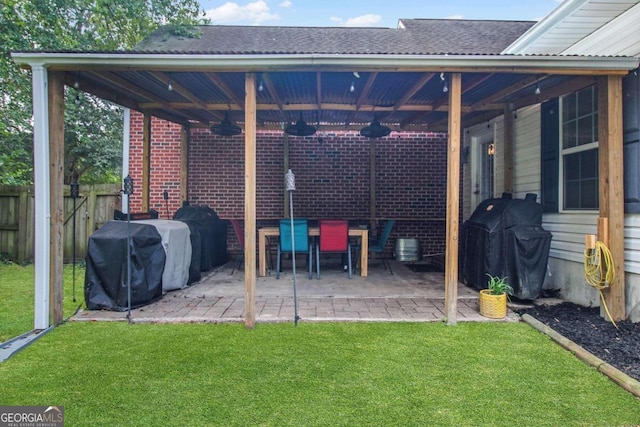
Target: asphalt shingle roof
414	37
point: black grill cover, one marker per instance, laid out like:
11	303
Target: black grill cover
504	237
105	283
209	233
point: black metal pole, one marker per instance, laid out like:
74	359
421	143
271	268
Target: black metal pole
128	190
75	192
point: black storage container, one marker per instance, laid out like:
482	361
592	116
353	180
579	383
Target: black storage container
208	238
106	283
504	237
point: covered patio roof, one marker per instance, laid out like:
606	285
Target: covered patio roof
336	78
273	75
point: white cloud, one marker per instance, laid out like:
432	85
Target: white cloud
368	20
286	3
459	16
254	13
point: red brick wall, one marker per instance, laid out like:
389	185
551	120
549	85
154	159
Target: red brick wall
332	177
165	165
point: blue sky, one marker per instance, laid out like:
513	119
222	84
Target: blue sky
371	13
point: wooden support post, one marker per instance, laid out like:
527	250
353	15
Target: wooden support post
453	199
603	230
250	201
56	185
611	186
146	162
508	150
185	137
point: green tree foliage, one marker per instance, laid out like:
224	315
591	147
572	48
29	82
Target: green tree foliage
93	128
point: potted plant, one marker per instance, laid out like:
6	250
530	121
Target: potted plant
493	300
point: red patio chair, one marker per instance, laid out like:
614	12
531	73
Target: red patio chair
334	237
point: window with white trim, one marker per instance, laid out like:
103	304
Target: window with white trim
579	150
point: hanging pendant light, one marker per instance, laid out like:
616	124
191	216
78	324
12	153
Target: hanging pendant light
226	128
375	130
300	128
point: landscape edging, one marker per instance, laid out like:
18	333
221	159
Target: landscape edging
623	380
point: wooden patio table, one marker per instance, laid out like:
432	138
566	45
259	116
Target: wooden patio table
265	232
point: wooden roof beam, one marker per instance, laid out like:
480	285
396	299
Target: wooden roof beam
363	96
426	78
182	91
274	94
560	89
527	81
220	84
437	105
125	84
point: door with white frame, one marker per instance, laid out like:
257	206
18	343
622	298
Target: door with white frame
483	151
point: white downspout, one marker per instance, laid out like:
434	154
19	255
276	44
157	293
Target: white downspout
42	194
126	134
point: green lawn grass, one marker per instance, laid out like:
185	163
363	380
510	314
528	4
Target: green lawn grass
17	293
315	374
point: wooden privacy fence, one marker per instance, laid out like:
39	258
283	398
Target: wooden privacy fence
94	207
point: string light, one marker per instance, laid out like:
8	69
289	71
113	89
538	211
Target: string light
445	87
169	86
260	86
352	87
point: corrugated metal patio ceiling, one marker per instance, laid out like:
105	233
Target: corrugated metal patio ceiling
335	77
323	98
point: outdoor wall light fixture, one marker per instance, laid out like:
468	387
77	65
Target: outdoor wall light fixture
300	128
375	130
225	127
445	87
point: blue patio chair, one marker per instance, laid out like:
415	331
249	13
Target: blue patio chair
301	240
377	246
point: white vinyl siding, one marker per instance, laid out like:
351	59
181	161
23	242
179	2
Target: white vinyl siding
568	234
526	162
498	159
632	243
609	40
568	237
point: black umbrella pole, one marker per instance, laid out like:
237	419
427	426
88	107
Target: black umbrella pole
128	190
128	263
73	250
